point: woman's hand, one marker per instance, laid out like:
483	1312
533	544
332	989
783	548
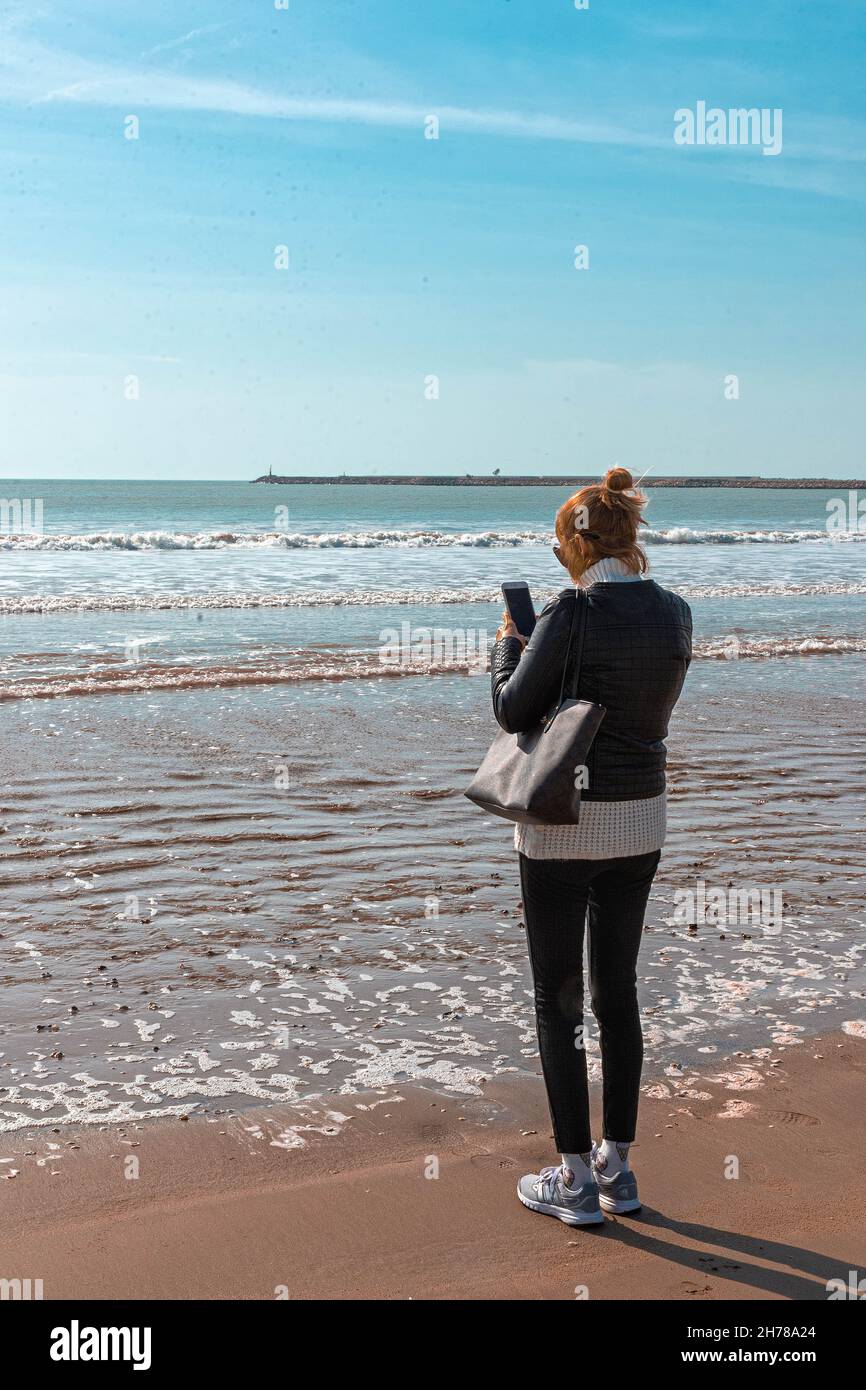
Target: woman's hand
507	629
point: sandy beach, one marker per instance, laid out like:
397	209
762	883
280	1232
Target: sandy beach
341	1203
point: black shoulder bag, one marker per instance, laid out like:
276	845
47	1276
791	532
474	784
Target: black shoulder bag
536	777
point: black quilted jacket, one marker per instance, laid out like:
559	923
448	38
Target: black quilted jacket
636	653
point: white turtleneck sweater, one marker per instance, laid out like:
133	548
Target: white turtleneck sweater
607	829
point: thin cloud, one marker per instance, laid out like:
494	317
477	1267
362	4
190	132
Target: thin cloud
166	91
38	75
184	38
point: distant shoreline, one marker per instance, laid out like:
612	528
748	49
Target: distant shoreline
481	480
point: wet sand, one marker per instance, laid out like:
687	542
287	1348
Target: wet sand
338	1201
208	903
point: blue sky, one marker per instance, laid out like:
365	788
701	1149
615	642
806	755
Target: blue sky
411	258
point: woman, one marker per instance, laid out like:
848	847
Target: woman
636	652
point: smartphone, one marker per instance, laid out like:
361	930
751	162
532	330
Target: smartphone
518	601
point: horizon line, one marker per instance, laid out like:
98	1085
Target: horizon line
477	479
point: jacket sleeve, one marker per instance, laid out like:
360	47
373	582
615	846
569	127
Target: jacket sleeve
525	685
688	627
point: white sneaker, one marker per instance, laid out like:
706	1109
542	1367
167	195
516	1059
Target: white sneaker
549	1193
617	1194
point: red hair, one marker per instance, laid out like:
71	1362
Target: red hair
602	520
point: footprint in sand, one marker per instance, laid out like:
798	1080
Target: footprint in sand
492	1161
433	1131
715	1265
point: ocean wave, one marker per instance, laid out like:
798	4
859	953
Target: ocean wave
274	540
100	541
24	604
347	665
730	648
685	535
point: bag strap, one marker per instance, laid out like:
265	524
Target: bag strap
582	604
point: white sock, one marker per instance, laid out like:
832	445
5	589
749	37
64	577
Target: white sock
577	1165
611	1158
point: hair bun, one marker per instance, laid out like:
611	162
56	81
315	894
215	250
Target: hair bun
618	480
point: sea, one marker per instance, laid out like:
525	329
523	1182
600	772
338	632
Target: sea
237	865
